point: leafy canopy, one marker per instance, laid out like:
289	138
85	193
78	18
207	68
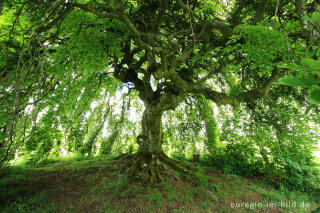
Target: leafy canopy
64	65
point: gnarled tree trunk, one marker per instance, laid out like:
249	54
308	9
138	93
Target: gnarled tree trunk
150	139
150	158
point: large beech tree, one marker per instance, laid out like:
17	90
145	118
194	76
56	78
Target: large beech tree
229	52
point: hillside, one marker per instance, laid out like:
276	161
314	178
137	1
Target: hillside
99	185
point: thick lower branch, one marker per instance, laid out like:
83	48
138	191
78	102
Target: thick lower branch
100	14
249	96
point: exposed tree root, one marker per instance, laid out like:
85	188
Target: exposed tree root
156	167
125	156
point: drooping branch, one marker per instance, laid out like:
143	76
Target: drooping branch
94	135
212	141
61	16
119	13
101	14
249	96
223	27
220	25
133	27
138	35
167	71
204	34
5	52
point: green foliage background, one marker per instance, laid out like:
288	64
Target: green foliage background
58	94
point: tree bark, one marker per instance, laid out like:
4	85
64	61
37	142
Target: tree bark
150	139
150	158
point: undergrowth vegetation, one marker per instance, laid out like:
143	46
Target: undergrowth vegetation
95	185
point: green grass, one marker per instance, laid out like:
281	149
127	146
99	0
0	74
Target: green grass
96	184
37	203
155	197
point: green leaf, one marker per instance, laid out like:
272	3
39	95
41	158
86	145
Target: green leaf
316	17
315	95
290	81
308	81
313	64
297	81
82	1
292	66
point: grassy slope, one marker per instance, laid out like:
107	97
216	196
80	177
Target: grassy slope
96	185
